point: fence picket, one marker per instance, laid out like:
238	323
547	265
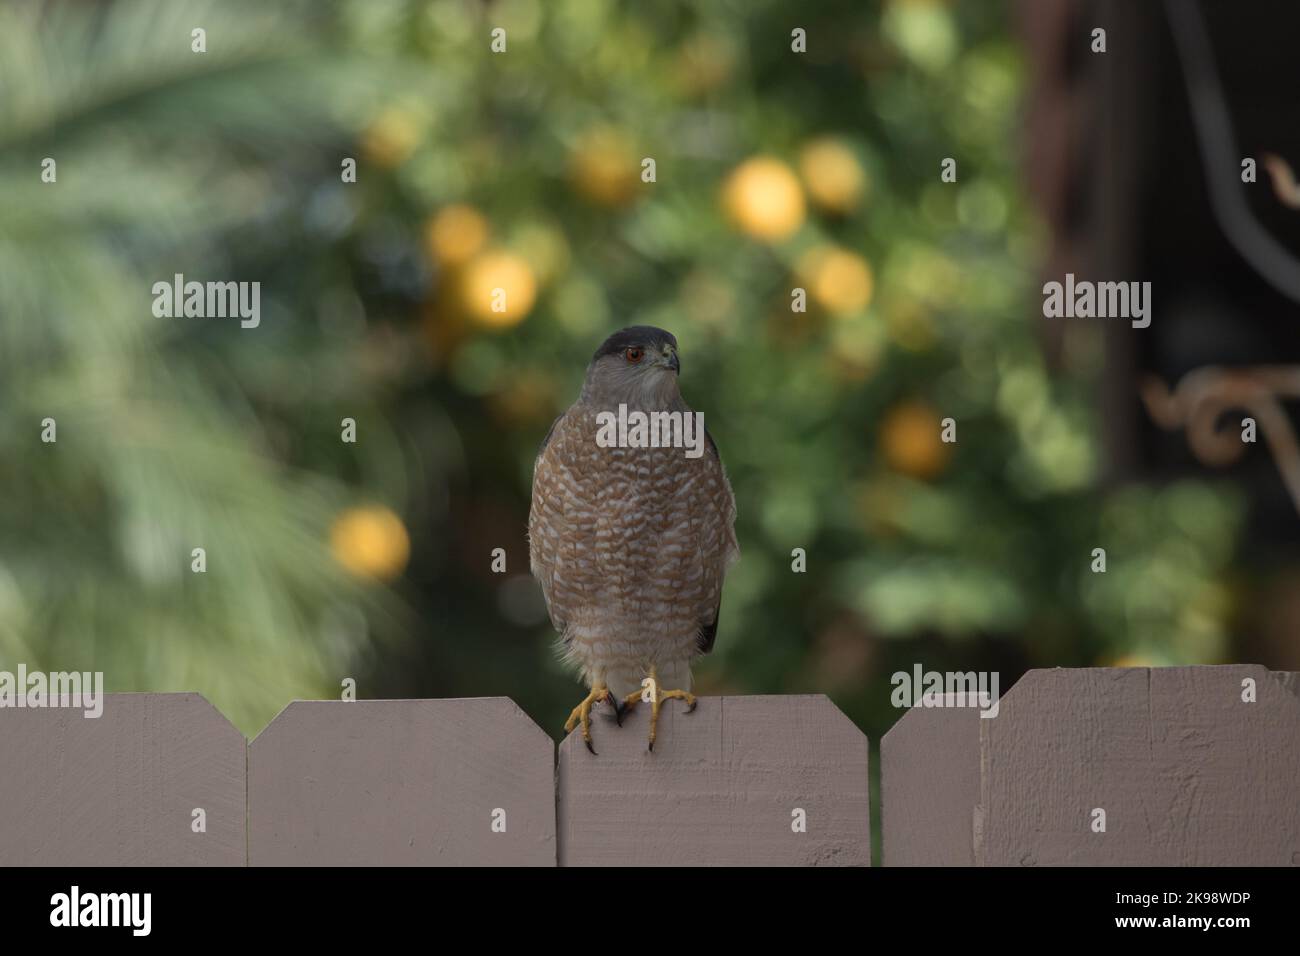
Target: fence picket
466	782
725	785
1102	766
122	789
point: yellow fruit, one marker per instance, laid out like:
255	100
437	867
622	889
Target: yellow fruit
839	280
911	443
831	173
455	234
391	138
763	198
498	289
370	542
604	168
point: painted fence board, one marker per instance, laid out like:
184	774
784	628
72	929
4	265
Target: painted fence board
722	787
402	783
930	786
121	789
1185	770
1290	680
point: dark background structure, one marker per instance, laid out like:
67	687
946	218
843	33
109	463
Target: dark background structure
1125	153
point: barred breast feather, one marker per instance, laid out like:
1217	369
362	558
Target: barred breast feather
630	546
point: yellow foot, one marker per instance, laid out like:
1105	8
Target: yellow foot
656	696
582	713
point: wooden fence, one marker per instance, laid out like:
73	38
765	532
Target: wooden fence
1192	765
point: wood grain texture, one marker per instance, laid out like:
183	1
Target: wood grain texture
120	789
719	788
1187	773
401	783
930	786
1290	680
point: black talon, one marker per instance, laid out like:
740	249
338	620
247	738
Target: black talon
617	707
652	746
691	706
591	748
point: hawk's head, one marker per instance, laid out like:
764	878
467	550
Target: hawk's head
637	365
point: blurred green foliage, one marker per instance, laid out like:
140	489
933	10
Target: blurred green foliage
523	170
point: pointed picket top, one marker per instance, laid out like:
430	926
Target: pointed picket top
155	780
462	782
930	785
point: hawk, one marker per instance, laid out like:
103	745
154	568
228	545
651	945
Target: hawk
630	541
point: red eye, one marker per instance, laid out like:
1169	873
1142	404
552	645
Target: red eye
633	355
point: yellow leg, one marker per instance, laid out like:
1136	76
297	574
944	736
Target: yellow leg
582	713
656	701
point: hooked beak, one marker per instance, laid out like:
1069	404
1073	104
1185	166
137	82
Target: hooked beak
673	362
